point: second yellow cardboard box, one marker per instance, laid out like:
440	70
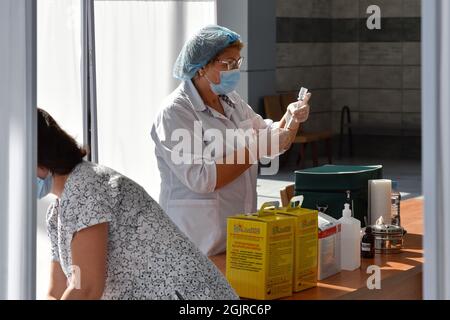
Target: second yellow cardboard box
305	244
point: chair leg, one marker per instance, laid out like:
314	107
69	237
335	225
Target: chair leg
329	147
315	154
301	155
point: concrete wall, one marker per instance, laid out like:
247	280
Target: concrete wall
326	46
377	72
255	21
304	55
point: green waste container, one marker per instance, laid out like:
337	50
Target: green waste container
329	186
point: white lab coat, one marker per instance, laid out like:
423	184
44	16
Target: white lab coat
188	193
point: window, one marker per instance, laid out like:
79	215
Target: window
137	43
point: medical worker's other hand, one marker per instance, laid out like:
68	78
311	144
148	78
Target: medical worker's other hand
271	142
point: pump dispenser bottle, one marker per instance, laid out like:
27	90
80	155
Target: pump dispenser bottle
350	240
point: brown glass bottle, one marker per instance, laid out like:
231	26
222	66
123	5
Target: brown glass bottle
368	244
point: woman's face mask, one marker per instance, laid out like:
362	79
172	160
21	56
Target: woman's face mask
44	186
228	82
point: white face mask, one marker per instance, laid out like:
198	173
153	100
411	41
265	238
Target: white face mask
44	186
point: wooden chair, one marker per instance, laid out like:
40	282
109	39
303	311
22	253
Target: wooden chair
286	195
275	107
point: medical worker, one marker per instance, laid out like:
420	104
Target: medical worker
201	191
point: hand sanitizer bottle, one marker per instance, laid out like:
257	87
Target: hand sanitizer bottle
350	240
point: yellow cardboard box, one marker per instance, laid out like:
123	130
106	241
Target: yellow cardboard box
260	254
305	244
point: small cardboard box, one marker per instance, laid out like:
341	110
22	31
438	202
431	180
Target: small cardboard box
305	244
260	246
329	246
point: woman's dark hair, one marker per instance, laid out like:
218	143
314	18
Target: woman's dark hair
57	151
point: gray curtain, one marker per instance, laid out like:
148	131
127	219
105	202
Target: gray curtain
436	146
17	143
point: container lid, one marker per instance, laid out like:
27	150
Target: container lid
336	177
266	213
326	222
387	229
339	169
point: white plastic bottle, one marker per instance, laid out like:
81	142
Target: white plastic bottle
350	240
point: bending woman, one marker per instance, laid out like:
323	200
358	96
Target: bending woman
109	237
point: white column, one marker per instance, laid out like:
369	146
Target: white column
436	146
18	149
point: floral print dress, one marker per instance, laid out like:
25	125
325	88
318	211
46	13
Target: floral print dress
148	256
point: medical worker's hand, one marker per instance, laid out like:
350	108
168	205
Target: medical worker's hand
299	110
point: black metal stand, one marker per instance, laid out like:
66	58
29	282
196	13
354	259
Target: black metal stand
346	111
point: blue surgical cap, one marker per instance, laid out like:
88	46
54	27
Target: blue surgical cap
201	48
